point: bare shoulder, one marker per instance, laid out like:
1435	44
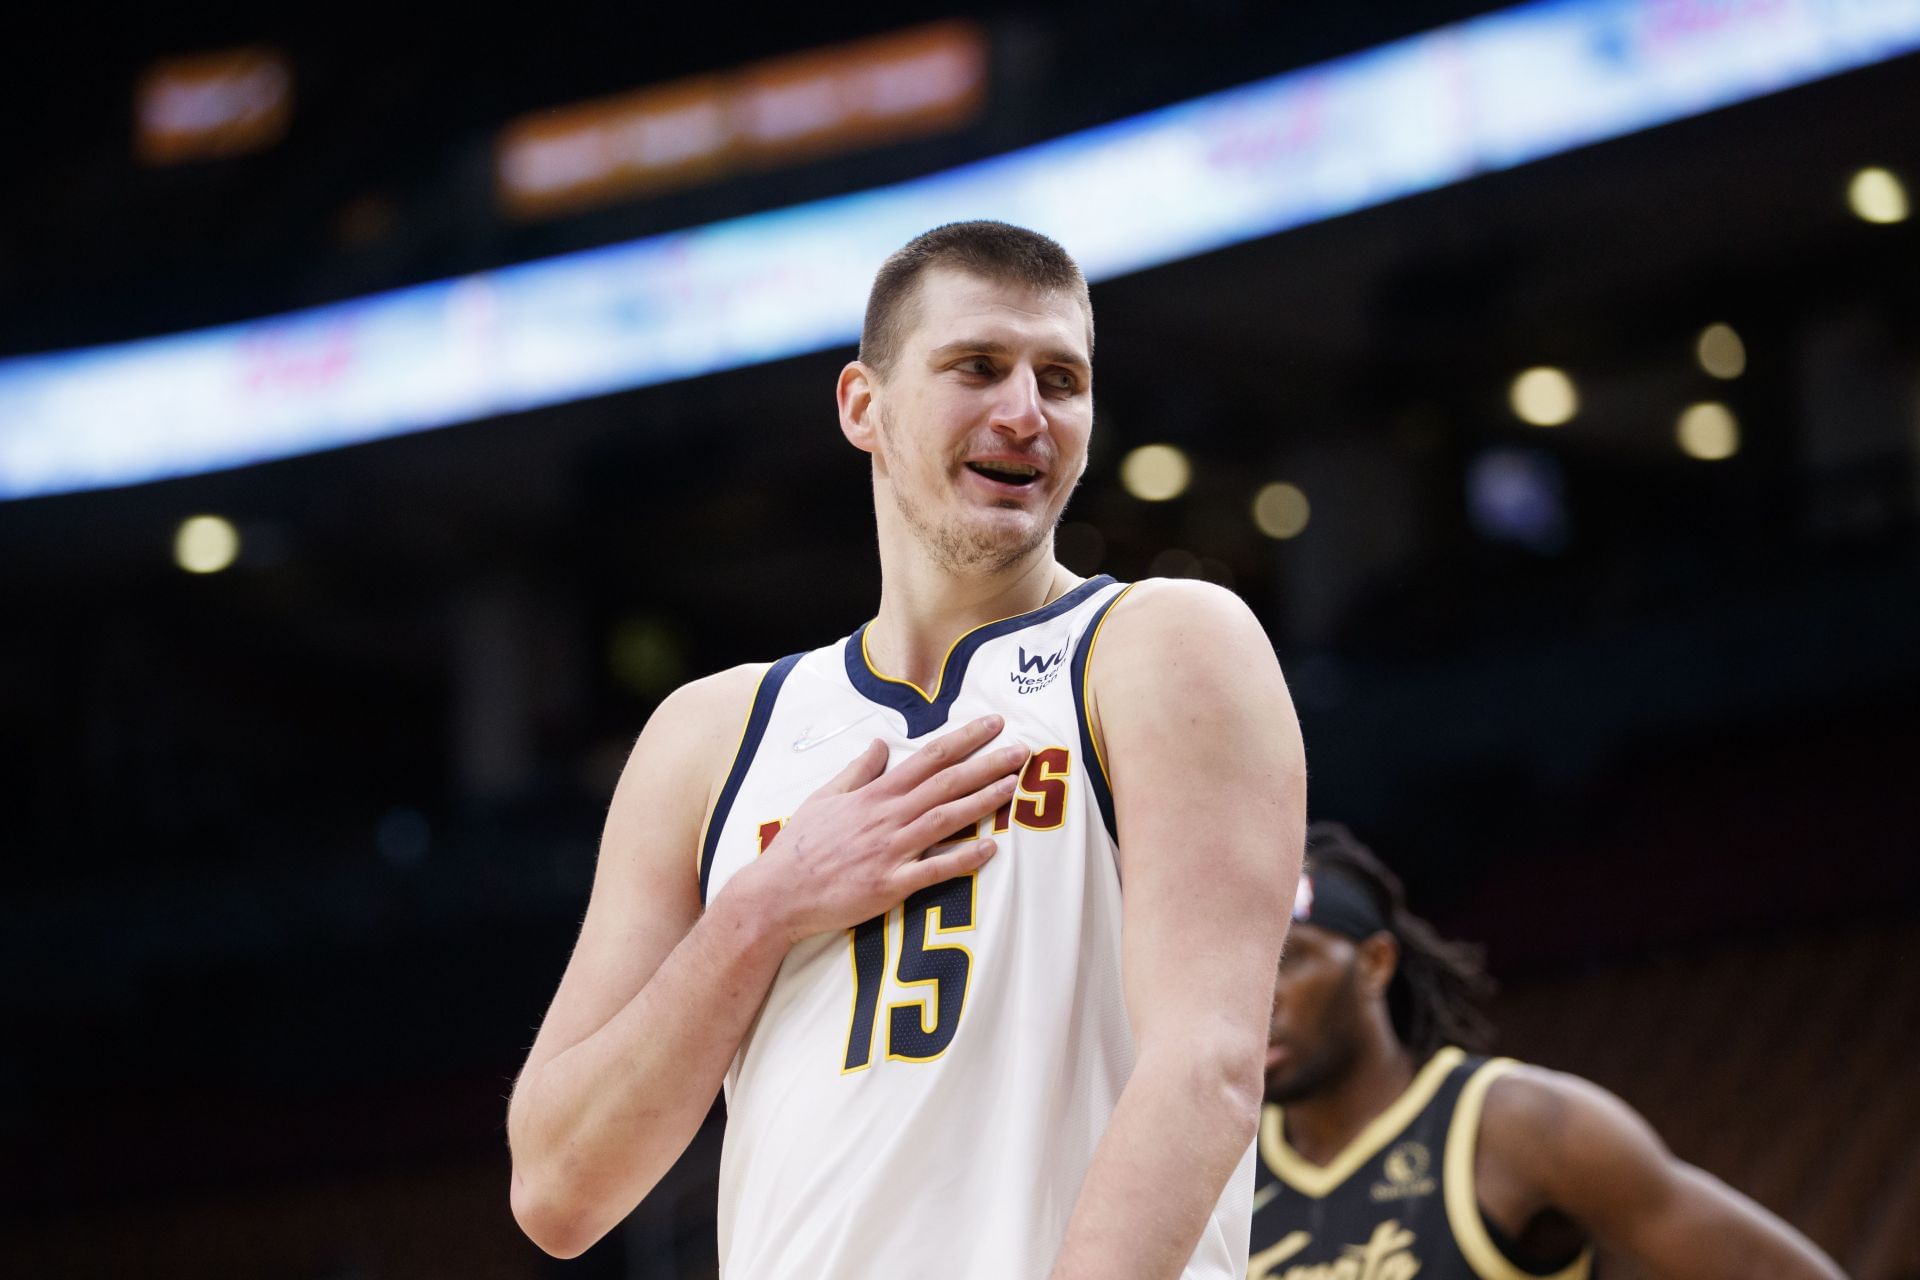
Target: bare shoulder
1554	1123
1539	1099
1527	1102
711	708
1172	640
1159	612
1184	677
683	754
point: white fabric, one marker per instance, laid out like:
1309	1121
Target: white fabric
967	1165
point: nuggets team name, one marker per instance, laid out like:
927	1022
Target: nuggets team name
1388	1255
1039	804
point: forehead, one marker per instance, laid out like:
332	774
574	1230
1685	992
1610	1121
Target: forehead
956	305
1305	939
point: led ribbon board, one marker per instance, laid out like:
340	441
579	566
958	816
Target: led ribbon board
1409	116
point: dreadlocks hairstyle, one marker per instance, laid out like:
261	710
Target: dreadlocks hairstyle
995	251
1437	991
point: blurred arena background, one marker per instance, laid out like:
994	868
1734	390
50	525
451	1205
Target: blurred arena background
1578	486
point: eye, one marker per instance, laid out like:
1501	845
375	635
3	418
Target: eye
977	365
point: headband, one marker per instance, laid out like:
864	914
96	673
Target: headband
1330	900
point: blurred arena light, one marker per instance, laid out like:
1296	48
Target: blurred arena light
1281	510
211	105
1876	195
1721	352
205	544
1174	562
1486	94
1218	572
646	656
782	111
1518	496
1708	431
1544	397
1156	472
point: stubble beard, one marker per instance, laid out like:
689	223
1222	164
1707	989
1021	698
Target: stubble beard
961	546
1310	1078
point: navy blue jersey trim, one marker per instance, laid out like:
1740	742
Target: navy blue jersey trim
924	714
1093	762
756	729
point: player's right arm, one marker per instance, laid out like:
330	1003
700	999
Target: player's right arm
659	994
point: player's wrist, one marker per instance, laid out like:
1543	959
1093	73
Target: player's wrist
755	913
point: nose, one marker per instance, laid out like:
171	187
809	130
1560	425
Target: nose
1018	411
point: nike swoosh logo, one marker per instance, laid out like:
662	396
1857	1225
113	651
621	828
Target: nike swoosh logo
1264	1195
808	739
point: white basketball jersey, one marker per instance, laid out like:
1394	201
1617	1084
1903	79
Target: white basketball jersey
922	1095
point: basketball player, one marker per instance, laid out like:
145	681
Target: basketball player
1389	1149
977	917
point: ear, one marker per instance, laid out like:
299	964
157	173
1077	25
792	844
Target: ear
855	392
1378	959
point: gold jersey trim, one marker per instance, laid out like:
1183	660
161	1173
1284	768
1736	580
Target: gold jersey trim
878	674
1086	689
1463	1199
1317	1180
713	796
941	680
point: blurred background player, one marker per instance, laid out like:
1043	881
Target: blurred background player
1390	1138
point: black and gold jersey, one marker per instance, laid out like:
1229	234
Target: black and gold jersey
1399	1201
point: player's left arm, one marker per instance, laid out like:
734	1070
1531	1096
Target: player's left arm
1203	752
1579	1149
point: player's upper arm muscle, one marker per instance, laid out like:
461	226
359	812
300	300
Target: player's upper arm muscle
1592	1157
1208	777
1586	1152
646	882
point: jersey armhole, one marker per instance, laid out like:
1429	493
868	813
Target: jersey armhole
755	728
1083	712
1470	1233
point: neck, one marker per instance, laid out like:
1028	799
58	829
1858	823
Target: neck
1321	1127
924	607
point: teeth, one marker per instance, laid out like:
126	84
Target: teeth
1008	469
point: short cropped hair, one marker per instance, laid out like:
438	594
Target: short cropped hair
995	251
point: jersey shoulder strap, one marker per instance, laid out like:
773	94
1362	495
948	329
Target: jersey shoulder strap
1471	1233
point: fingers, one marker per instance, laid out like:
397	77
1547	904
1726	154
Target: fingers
944	750
968	776
971	856
866	766
945	819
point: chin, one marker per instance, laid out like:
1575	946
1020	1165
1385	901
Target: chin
976	537
1001	537
1296	1085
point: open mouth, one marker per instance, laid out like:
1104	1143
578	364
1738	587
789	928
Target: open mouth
1018	474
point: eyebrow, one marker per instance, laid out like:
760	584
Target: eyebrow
988	347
